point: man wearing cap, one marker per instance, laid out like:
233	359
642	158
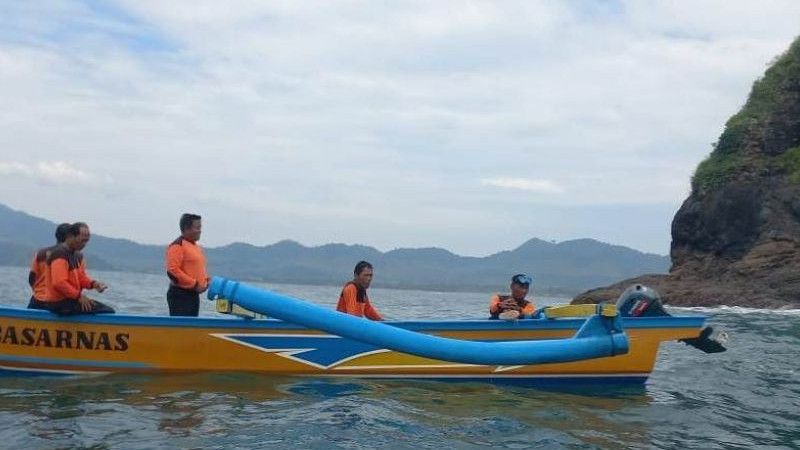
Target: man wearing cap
514	305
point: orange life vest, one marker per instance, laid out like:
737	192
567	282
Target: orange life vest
37	277
495	308
354	301
186	264
65	277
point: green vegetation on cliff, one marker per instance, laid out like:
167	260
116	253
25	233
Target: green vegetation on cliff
790	162
767	99
717	169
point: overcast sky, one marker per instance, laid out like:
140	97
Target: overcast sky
472	126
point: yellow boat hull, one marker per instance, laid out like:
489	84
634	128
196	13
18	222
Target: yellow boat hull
38	342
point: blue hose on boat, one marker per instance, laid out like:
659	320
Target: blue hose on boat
598	336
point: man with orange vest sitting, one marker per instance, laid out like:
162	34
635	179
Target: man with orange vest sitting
515	305
38	272
353	299
66	278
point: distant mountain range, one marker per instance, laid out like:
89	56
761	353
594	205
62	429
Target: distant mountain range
566	267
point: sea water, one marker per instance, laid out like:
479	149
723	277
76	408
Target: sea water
747	397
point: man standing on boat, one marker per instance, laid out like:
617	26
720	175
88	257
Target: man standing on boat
37	275
354	299
186	269
514	305
66	278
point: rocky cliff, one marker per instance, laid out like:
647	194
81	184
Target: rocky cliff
736	238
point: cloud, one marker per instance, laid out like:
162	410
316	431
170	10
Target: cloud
524	184
374	119
15	168
52	172
59	172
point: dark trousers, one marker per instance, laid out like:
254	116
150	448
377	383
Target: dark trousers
69	307
183	302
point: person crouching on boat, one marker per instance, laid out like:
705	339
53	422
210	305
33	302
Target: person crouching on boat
514	305
354	299
66	277
37	275
186	269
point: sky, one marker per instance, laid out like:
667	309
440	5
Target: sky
471	126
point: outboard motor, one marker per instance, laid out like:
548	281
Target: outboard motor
640	301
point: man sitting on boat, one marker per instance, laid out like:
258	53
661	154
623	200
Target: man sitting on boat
514	305
37	275
66	278
354	299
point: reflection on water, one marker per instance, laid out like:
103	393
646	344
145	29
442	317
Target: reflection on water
503	413
223	408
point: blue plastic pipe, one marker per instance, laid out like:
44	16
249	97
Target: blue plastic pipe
598	336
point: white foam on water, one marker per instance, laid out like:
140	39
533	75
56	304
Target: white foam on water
736	310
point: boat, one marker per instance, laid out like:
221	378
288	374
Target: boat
567	344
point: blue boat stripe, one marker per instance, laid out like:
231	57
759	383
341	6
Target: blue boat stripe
30	372
73	362
492	375
520	380
321	351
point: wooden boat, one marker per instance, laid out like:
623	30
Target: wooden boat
602	346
